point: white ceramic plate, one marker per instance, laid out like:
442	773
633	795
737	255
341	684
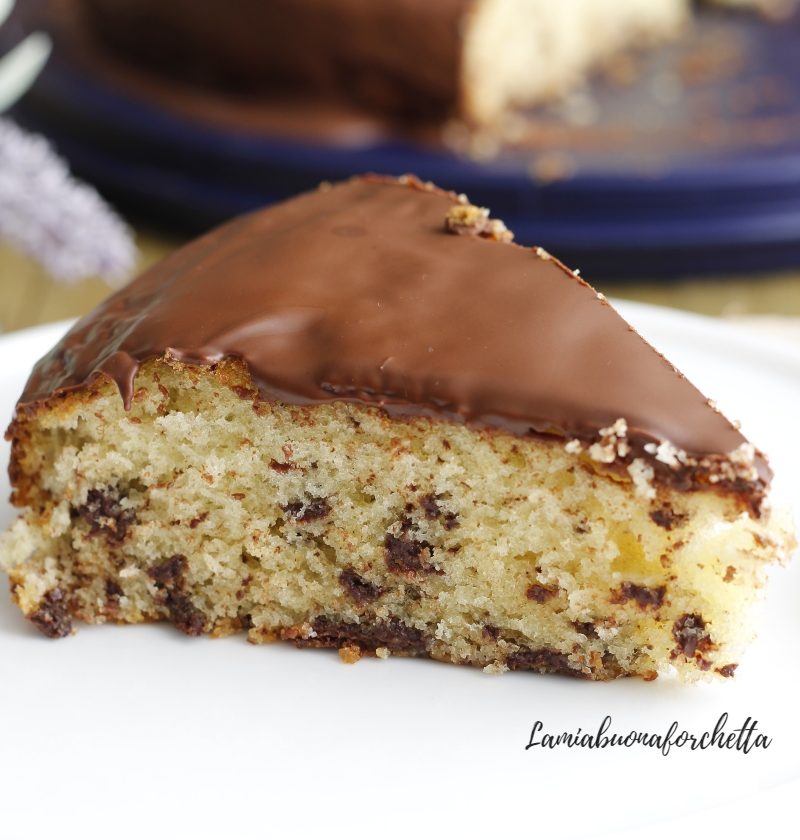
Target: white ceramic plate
141	732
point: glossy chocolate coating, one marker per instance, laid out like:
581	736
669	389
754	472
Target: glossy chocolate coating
359	292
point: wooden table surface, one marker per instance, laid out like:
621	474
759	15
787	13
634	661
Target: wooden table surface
30	297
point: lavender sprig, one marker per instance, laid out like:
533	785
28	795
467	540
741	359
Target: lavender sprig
62	223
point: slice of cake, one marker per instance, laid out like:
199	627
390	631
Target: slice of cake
364	419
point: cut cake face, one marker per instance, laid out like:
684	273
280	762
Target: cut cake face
364	419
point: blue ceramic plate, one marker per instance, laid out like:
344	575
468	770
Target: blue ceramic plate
690	167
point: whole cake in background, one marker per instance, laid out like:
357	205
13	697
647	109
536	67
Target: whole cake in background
364	419
471	59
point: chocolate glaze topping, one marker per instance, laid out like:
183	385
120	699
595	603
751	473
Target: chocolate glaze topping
359	292
400	57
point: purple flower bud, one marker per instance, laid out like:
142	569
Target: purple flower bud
63	224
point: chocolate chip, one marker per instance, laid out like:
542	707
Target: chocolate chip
281	468
406	555
198	519
665	517
170	577
491	632
184	615
540	593
359	589
689	631
52	617
543	660
170	572
308	510
430	505
433	510
727	670
645	596
113	590
367	635
105	515
587	628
